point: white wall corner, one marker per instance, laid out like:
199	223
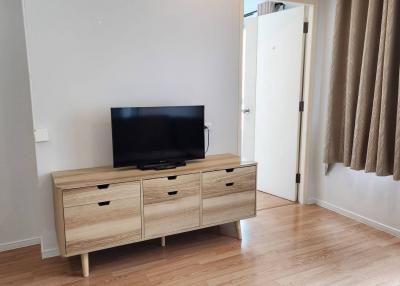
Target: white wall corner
48	252
375	224
52	252
309	201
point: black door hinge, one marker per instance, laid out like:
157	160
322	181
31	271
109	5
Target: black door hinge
305	28
298	178
301	106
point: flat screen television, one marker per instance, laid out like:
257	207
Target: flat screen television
157	137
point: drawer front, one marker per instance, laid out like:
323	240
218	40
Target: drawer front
229	181
172	216
230	207
97	226
170	188
89	195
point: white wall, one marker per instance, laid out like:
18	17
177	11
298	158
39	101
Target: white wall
87	56
18	192
373	199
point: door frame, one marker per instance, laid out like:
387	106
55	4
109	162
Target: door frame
308	94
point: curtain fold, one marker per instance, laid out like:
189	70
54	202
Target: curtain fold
363	128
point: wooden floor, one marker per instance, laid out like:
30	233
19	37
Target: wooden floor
267	201
289	245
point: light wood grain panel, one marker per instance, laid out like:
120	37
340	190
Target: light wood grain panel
170	188
59	221
91	227
107	175
171	216
223	182
229	207
88	195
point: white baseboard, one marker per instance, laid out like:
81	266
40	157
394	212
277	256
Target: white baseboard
19	243
309	201
357	217
47	253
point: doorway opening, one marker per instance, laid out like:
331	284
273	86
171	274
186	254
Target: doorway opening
276	61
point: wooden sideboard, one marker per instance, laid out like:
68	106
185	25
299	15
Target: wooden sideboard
99	208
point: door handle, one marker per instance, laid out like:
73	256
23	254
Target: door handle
246	110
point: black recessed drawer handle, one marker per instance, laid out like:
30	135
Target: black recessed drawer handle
229	184
102	187
229	170
172	193
106	203
171	177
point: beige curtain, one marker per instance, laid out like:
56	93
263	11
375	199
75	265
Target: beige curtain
363	129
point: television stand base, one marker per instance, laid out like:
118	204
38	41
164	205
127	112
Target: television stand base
162	166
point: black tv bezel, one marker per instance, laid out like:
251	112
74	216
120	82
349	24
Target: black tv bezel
163	163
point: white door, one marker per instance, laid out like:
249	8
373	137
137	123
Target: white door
249	87
278	92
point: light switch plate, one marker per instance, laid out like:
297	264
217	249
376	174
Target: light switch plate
41	135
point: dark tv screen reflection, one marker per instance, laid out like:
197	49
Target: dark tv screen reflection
151	135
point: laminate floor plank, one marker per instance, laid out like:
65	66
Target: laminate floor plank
267	201
286	245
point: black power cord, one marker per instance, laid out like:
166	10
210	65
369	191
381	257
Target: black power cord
208	137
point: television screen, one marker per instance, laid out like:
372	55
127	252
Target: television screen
151	135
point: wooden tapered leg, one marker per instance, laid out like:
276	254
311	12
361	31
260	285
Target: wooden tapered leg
238	230
163	241
85	264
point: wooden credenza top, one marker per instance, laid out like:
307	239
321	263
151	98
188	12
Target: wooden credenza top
107	175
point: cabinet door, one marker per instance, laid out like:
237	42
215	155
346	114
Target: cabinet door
101	225
229	208
229	195
171	204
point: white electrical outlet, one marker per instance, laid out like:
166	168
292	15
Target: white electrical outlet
41	135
